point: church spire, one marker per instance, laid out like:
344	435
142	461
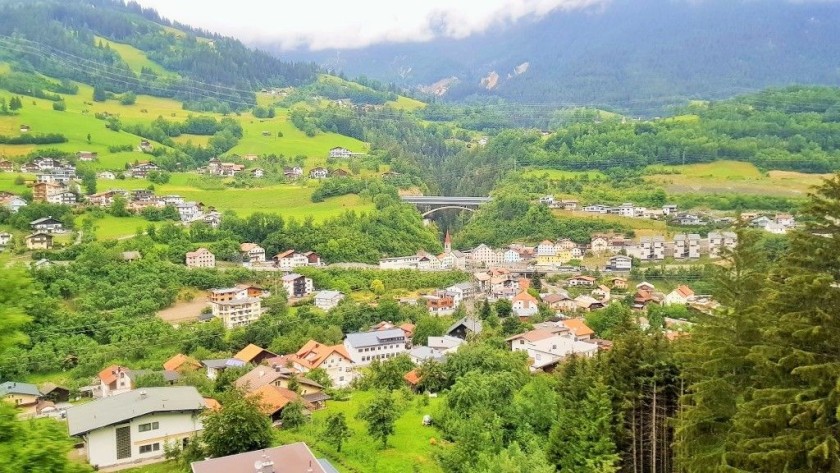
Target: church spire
447	243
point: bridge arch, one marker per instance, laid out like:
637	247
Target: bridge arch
429	212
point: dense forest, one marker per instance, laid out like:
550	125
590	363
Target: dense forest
56	38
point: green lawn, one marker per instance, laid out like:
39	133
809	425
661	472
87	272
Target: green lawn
409	449
560	174
135	58
410	445
7	182
110	227
405	103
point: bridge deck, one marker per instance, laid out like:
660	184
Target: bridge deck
444	200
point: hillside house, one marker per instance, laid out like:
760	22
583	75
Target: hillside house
46	191
651	248
545	347
289	260
21	395
525	305
328	300
136	425
720	241
546	248
106	175
319	173
200	258
142	170
669	209
588	303
578	328
63	198
596	208
39	241
297	286
182	364
682	295
6	166
274	399
364	347
13	203
581	281
333	359
5	238
618	283
276	375
252	253
340	153
560	302
627	209
257	173
293	173
461	292
87	156
569	204
440	304
47	225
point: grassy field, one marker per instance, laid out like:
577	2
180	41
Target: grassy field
7	182
642	226
135	58
733	177
289	200
110	227
405	103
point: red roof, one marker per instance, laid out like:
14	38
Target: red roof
684	291
525	297
412	377
109	374
578	327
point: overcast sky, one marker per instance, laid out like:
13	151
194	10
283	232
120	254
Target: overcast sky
322	24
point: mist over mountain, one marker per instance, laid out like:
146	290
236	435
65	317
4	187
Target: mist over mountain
632	55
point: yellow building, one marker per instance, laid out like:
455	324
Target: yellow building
22	395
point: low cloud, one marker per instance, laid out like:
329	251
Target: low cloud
327	24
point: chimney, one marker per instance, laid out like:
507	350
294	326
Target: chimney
143	394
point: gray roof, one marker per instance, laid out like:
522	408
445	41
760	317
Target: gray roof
44	220
445	342
222	363
327	466
370	339
291	277
12	387
122	407
328	294
424	353
472	324
464	286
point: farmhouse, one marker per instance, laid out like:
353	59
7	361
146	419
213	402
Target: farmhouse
136	425
682	295
339	152
319	173
47	225
39	241
276	375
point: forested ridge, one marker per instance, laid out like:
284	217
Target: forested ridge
56	38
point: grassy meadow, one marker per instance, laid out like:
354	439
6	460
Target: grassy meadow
135	58
732	177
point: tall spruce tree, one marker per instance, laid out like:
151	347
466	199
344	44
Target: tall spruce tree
790	421
716	371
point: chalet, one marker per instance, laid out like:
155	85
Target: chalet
599	245
6	166
618	283
295	457
276	375
560	302
578	329
46	191
86	156
182	364
39	241
588	303
645	297
47	225
293	172
216	367
602	292
252	253
339	152
289	260
145	146
257	172
581	281
319	173
30	168
55	393
440	304
274	399
64	198
364	347
340	173
253	354
465	327
137	425
141	170
200	258
297	286
314	259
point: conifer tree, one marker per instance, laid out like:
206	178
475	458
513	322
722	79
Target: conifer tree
790	421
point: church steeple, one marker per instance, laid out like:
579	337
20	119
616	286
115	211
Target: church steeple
447	243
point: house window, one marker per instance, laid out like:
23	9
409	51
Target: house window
155	447
149	426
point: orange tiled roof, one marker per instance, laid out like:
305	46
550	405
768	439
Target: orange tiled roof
212	404
524	296
684	291
179	360
412	377
109	374
273	398
312	354
578	327
248	353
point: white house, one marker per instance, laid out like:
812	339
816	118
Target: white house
546	248
484	255
15	203
188	211
108	175
720	241
621	263
596	208
651	248
289	260
200	258
681	295
5	238
339	152
512	256
627	209
445	344
319	173
364	347
333	359
546	347
136	425
525	305
686	246
326	300
47	225
460	292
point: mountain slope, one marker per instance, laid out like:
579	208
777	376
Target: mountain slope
634	55
59	38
